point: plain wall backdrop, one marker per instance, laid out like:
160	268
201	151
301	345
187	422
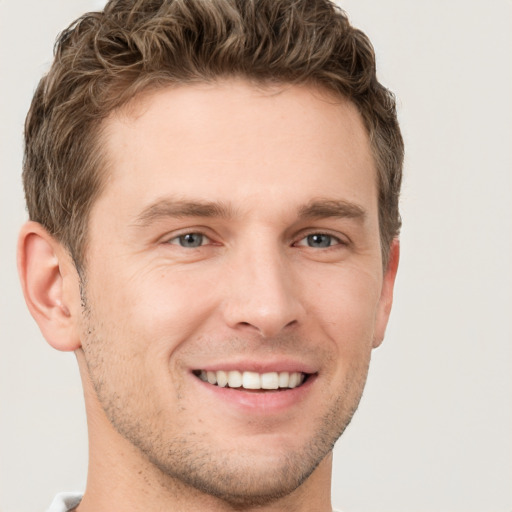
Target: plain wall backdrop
434	429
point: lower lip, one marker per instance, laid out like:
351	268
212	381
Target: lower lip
260	402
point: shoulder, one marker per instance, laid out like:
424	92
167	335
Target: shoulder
65	501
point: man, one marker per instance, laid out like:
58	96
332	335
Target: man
213	194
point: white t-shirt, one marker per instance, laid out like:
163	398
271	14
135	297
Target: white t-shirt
65	501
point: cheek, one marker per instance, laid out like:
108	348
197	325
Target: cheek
345	308
153	310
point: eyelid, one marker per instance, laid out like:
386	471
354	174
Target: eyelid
172	238
175	240
169	238
337	237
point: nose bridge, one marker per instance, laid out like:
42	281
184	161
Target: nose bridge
262	294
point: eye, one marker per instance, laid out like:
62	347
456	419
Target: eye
319	241
190	240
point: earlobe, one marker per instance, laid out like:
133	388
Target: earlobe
386	297
50	285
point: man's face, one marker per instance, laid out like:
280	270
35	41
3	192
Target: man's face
236	239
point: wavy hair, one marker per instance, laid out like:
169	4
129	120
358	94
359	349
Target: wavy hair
106	58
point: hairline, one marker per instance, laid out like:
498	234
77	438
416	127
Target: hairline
134	105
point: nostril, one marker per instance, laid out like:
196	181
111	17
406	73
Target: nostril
267	329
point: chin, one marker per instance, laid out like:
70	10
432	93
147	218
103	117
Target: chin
243	484
255	476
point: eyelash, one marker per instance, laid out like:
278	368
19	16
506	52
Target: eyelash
333	240
176	240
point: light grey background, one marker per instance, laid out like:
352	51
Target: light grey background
434	429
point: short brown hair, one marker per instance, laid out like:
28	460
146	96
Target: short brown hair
105	58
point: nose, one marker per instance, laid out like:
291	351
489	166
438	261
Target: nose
262	295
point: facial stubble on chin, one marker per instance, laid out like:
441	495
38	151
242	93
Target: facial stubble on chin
188	461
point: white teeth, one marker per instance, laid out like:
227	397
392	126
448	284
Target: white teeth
283	379
253	380
270	381
222	379
234	379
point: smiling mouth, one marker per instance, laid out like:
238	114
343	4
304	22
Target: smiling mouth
253	380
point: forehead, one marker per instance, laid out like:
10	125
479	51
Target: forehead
234	142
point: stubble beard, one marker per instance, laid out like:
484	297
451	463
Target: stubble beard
190	464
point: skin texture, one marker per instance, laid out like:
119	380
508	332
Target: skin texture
254	172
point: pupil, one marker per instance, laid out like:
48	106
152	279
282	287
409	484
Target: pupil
191	240
319	240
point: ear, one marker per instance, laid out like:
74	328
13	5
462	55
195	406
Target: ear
50	285
386	296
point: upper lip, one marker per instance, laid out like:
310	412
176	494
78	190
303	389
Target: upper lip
278	365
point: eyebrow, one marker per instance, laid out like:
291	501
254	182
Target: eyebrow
164	208
316	209
326	208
